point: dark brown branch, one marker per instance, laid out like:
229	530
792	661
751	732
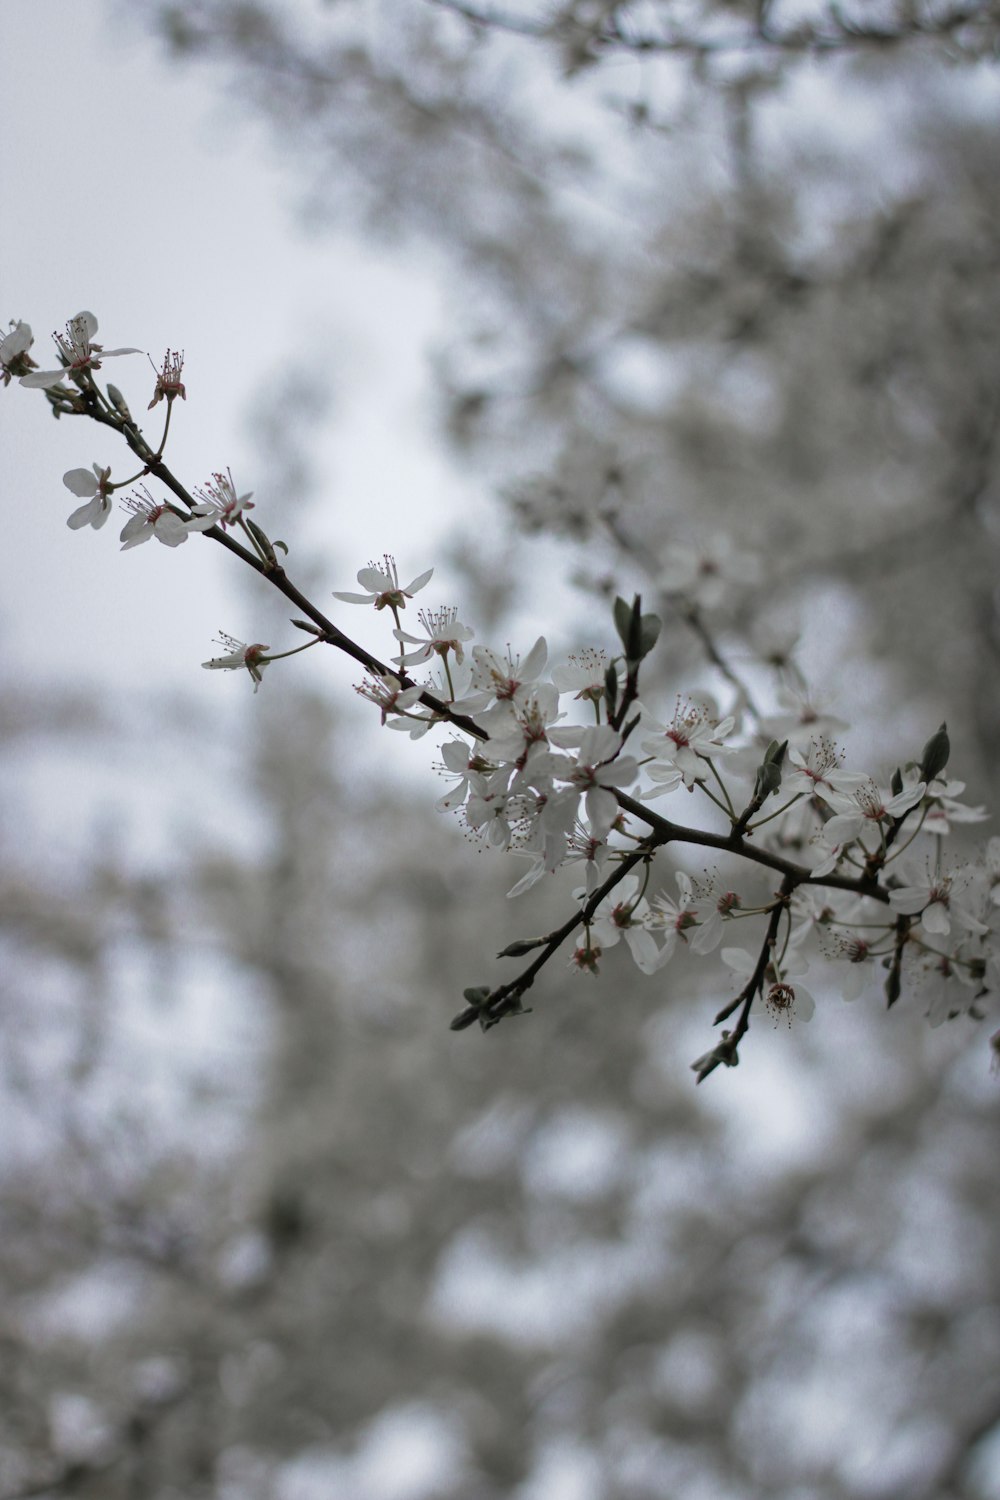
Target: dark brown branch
728	1050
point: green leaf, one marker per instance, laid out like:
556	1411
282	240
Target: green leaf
623	620
649	633
935	756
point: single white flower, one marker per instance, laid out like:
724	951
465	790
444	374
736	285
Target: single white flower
945	808
865	808
488	811
467	766
218	503
78	352
674	918
14	356
713	909
858	972
781	996
692	737
96	489
592	851
444	632
932	899
168	379
597	771
516	724
816	770
382	585
621	915
240	655
948	984
705	576
504	678
802	720
151	518
392	698
583	675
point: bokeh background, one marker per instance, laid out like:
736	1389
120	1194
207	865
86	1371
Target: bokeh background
545	296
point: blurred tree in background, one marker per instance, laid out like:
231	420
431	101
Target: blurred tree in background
723	284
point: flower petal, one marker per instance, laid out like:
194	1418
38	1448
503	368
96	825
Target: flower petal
81	482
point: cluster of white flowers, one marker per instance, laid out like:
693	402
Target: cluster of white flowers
531	783
836	864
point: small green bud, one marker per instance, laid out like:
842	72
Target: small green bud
477	996
119	403
520	946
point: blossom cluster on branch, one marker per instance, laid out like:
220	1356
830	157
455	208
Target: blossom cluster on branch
824	864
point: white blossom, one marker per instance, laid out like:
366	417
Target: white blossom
151	518
168	379
945	808
583	674
816	770
858	966
382	586
693	736
240	655
674	918
706	575
467	766
504	679
597	771
619	915
444	632
865	808
932	899
218	503
392	698
95	488
802	720
14	357
781	997
78	351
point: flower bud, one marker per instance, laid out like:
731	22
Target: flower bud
768	777
768	780
725	1053
477	995
119	403
520	946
